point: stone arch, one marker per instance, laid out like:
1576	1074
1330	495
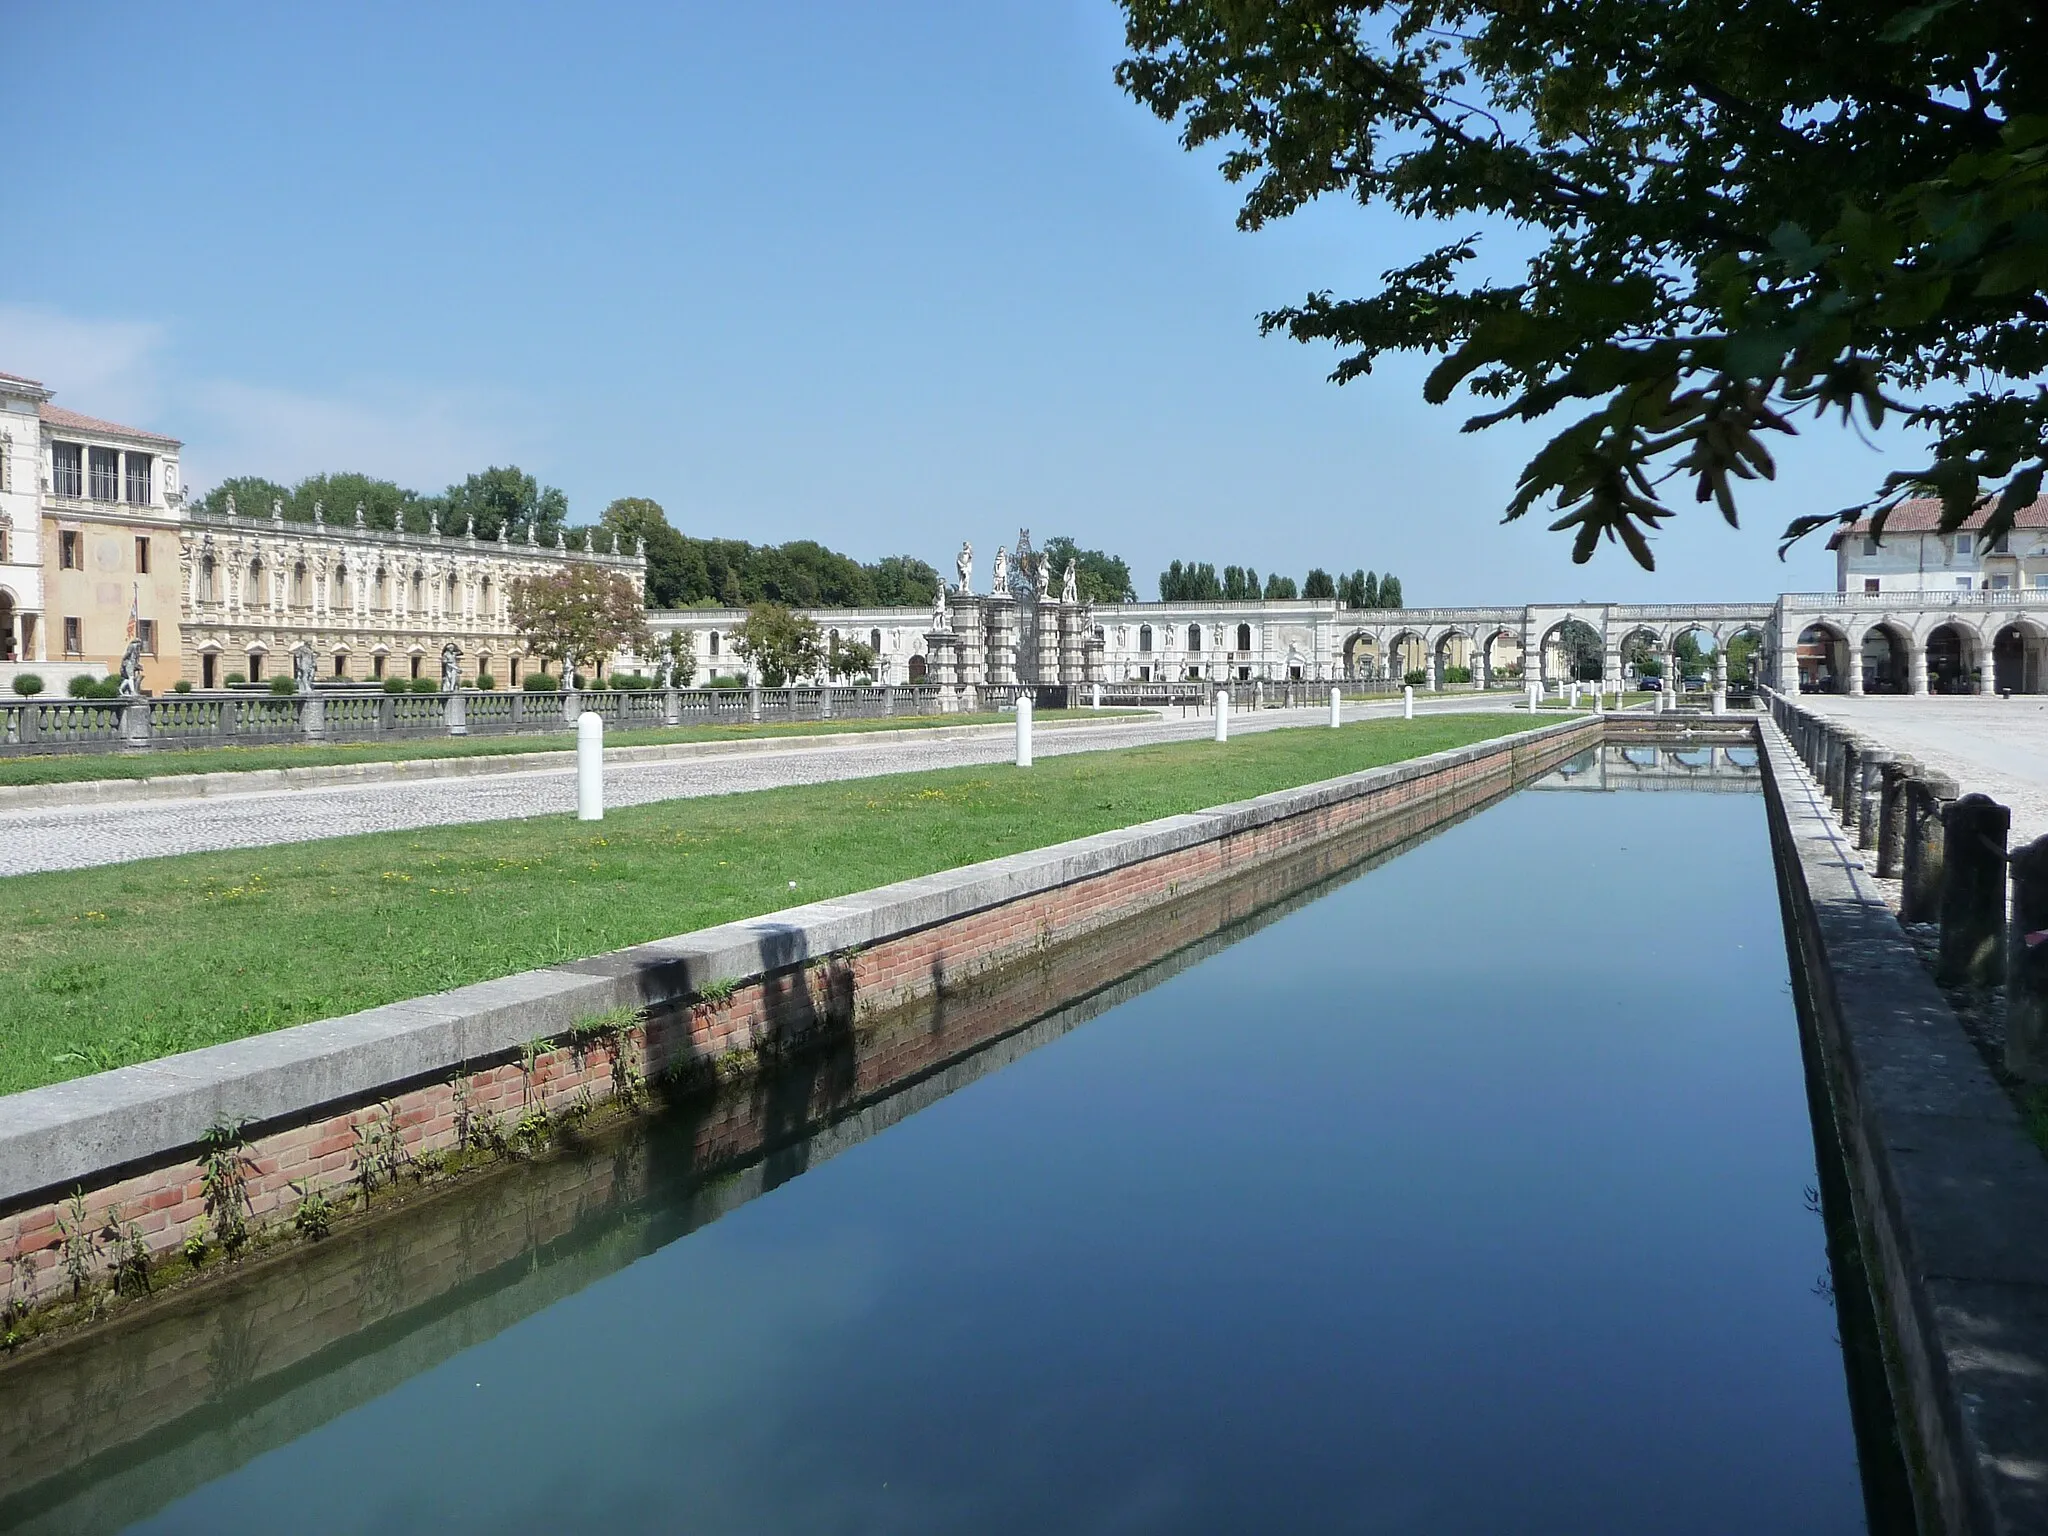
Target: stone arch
1500	653
1635	643
1885	650
1746	667
1407	652
1362	657
1144	639
1453	648
2019	657
1244	638
1569	650
1954	652
1194	637
1703	662
919	670
1823	659
9	644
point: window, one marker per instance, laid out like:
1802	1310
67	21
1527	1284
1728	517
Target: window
714	642
3	546
1963	543
209	666
376	666
67	473
105	484
1870	585
145	631
2001	583
415	668
512	671
74	637
299	585
71	550
341	666
255	666
452	606
1145	641
875	641
135	479
2041	582
2003	546
1244	637
1964	584
142	557
1195	641
1869	545
254	595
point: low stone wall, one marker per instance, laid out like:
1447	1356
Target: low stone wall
1951	1196
434	1074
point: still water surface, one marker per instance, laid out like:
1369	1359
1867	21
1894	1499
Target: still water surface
1471	1197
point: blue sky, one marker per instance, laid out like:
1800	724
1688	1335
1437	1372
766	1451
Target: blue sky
885	276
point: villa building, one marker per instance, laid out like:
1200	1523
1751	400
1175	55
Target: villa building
1914	556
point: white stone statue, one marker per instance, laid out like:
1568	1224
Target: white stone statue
999	584
319	515
615	541
231	503
533	535
276	510
562	539
639	547
939	607
1070	591
359	514
303	664
505	533
469	528
962	563
1041	575
434	524
451	667
131	670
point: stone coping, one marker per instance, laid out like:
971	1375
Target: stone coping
260	781
1951	1194
54	1136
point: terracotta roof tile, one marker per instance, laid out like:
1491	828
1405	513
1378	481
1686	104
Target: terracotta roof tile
1924	516
57	416
19	378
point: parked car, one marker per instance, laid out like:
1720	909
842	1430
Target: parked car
1649	685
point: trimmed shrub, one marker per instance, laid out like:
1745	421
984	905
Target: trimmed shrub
541	682
486	683
83	687
425	685
283	687
182	685
727	682
631	680
1457	674
1419	678
578	682
234	680
395	685
27	684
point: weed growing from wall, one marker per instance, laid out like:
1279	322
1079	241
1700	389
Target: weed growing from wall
224	1169
77	1242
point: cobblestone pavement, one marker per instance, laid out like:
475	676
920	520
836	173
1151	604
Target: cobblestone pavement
1997	746
81	836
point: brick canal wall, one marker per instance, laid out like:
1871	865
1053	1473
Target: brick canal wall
469	1066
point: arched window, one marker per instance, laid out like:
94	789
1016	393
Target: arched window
1194	637
299	585
383	587
209	591
452	604
341	663
713	649
255	673
1144	639
419	591
339	596
1244	637
252	594
483	599
875	641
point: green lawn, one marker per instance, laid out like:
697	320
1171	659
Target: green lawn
104	967
74	768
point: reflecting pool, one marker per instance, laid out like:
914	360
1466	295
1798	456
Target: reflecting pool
1476	1194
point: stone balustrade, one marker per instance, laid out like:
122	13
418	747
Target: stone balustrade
1948	851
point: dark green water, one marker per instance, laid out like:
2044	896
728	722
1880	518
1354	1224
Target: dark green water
1473	1196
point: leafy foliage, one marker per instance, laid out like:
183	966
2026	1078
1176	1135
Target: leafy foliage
1190	584
580	613
784	645
493	497
685	572
1098	577
1748	210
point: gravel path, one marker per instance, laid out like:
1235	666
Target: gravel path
1985	743
76	837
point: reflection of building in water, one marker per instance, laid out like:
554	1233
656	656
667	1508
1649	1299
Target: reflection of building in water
1614	765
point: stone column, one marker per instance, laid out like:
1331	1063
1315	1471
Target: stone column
1000	629
455	713
1871	761
135	723
313	717
1049	647
1855	651
1846	791
970	643
1972	950
1917	666
1927	796
671	707
1893	777
2026	965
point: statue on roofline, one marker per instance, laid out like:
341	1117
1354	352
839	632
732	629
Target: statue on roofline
964	564
1070	591
1000	583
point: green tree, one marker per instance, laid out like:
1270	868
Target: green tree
496	497
850	659
1098	577
639	518
1192	583
251	494
782	644
903	581
677	654
1371	598
1742	656
1317	584
1390	591
1744	210
579	615
1279	587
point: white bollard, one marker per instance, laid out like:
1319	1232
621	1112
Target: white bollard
1408	702
1222	716
590	766
1575	693
1535	696
1336	708
1095	696
1023	730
